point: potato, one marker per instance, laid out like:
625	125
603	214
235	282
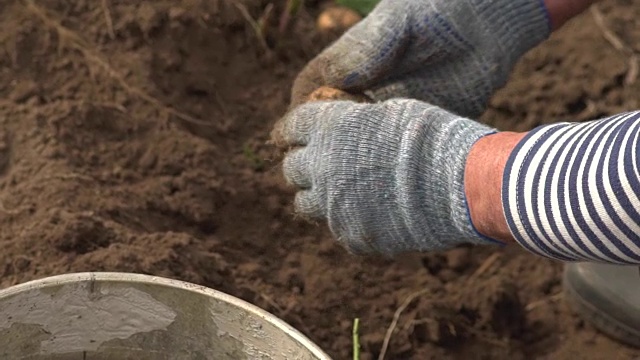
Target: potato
337	19
323	93
328	93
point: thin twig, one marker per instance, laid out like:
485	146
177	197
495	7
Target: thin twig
263	21
478	334
609	35
110	105
272	302
618	44
10	211
76	42
69	176
394	322
356	339
632	74
291	304
485	266
536	304
254	25
107	17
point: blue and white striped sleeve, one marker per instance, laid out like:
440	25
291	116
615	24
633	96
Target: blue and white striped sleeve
571	191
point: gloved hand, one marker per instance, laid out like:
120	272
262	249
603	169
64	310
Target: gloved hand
453	54
388	177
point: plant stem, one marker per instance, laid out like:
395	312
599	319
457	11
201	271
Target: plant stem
356	339
290	10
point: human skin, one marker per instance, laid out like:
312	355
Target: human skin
488	156
483	183
561	11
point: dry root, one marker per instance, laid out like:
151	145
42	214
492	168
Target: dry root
618	44
74	41
396	318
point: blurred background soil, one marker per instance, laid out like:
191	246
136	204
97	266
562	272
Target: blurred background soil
133	138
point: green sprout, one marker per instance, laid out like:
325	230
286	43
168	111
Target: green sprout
256	163
364	7
356	339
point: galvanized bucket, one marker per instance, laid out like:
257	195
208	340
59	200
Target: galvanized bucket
131	316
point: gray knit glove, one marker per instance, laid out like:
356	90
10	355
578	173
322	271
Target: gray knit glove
388	177
450	53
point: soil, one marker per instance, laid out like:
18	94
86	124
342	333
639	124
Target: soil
133	137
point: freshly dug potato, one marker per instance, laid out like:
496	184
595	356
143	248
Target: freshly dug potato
337	19
324	93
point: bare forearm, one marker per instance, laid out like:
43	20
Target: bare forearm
561	11
483	183
487	159
568	191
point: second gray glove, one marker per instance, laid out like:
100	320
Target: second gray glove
453	54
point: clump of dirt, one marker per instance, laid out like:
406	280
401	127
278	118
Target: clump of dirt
133	137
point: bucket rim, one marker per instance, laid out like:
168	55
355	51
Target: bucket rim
134	278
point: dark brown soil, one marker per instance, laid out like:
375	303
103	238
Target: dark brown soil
140	146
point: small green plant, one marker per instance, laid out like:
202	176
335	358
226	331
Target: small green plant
356	339
362	6
256	163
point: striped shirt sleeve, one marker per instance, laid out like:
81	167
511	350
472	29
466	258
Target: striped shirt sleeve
571	191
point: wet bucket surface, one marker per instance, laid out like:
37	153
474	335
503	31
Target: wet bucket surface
132	316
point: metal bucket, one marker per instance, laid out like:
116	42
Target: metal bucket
131	316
